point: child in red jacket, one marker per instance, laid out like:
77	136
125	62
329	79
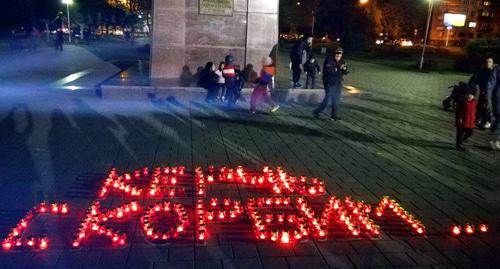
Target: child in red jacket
465	118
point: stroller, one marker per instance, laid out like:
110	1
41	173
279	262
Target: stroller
450	102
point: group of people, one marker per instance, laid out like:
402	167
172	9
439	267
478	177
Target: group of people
225	83
478	105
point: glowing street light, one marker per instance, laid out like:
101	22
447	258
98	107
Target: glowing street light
363	1
448	29
429	16
67	3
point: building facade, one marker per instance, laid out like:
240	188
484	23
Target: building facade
469	19
189	33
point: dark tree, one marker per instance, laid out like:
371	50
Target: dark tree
25	13
347	20
401	17
296	17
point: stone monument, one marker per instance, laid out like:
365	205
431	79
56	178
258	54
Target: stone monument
189	33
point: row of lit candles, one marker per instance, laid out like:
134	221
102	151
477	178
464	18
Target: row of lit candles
155	234
390	204
93	223
279	182
228	210
144	172
262	224
469	229
14	237
160	176
354	215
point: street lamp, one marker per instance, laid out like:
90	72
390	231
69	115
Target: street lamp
429	16
448	29
68	2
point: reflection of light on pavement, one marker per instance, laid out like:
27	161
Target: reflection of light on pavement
72	88
124	75
352	89
71	78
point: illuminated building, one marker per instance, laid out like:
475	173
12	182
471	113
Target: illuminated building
481	20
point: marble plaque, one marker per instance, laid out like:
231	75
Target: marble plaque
217	7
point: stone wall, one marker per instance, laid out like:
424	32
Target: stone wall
182	36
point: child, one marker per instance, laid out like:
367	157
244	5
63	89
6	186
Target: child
260	91
221	82
311	68
269	68
465	118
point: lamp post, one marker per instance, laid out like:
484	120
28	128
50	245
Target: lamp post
448	29
315	7
313	21
68	2
429	16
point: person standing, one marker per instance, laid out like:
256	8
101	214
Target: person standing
480	82
240	77
35	37
231	78
312	69
334	70
221	82
208	80
298	57
494	104
59	41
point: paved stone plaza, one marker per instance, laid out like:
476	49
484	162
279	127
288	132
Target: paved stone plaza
393	140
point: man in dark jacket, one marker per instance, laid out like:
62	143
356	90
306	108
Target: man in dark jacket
480	82
494	94
298	57
334	70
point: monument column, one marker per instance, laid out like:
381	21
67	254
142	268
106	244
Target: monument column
192	32
262	31
169	38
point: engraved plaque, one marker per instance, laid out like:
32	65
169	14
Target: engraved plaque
217	7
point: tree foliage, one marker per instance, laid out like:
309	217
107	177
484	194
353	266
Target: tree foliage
402	17
132	6
347	20
27	12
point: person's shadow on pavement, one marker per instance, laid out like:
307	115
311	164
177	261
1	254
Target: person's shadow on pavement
17	170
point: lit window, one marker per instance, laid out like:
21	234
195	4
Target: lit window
472	24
